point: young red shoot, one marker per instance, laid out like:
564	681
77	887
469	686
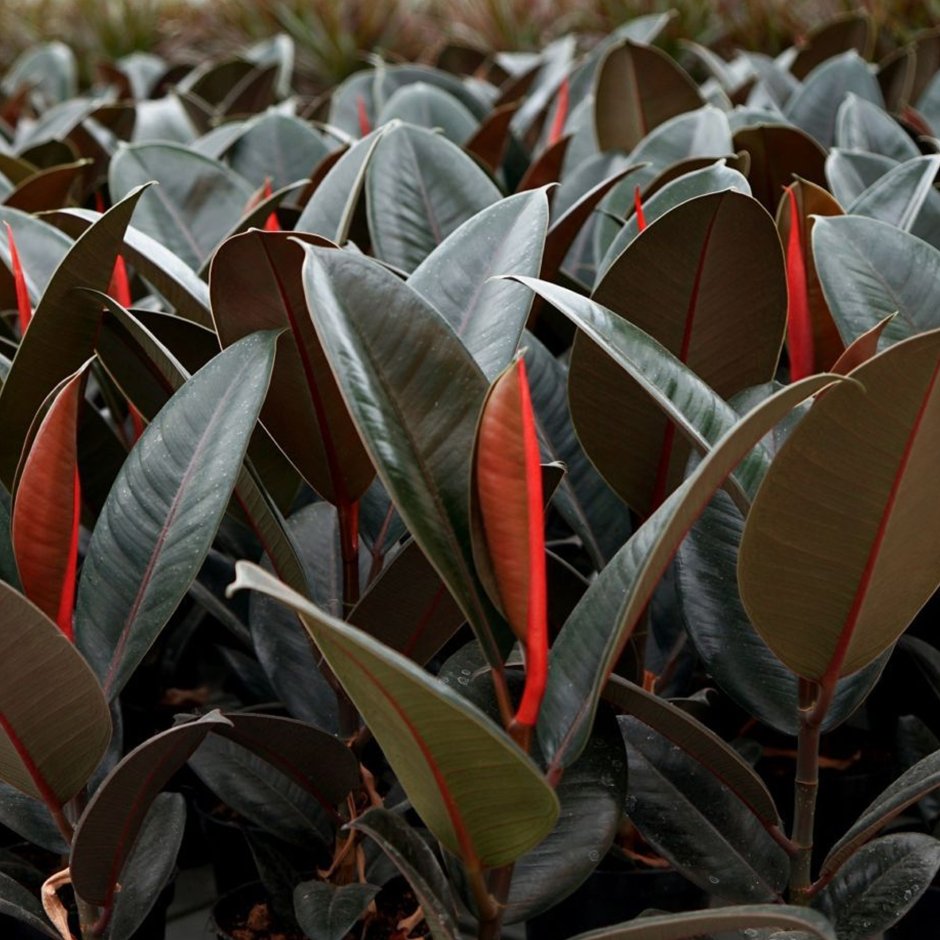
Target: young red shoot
24	308
799	320
561	115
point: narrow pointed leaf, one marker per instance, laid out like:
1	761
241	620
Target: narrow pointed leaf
870	270
594	635
850	485
54	719
850	173
414	859
862	349
685	281
415	394
104	837
487	315
637	88
420	187
474	789
697	741
879	884
45	513
62	332
255	284
329	211
140	564
862	125
691	925
689	816
904	197
912	786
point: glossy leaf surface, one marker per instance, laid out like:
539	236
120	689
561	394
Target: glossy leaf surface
828	568
164	508
474	789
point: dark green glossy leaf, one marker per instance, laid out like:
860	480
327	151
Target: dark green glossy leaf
420	188
49	69
330	210
182	470
40	247
151	866
20	903
425	105
879	884
914	784
850	173
104	838
690	926
487	315
598	629
277	148
415	860
591	794
415	394
326	911
870	270
260	793
814	107
30	819
695	822
62	332
697	742
195	205
862	125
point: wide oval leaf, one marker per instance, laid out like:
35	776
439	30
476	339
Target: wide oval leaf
419	188
164	509
55	721
707	281
255	284
194	207
488	316
415	394
277	148
851	485
476	791
870	270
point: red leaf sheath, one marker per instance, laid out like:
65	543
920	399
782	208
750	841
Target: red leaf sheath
561	115
638	206
365	125
24	308
799	322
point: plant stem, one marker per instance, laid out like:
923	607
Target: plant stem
348	513
806	788
500	879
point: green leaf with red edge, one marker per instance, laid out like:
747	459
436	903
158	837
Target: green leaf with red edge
853	486
688	926
637	88
149	374
164	508
415	395
586	650
54	718
823	345
685	281
47	506
475	790
509	541
62	332
109	825
255	284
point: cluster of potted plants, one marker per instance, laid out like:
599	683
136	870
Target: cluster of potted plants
502	492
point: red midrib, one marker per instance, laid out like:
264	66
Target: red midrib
851	621
665	455
32	768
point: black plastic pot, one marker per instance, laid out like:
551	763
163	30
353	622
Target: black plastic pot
611	897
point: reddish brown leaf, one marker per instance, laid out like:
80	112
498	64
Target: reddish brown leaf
799	326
